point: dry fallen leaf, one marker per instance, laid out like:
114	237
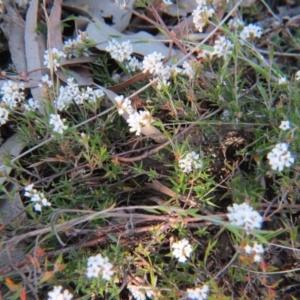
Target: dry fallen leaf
35	48
12	146
10	209
54	29
104	9
13	27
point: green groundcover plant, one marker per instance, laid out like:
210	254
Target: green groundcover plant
184	185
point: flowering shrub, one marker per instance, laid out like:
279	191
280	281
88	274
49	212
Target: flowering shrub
98	265
159	147
280	157
182	250
58	294
244	215
36	197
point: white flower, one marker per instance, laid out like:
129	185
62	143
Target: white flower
71	92
45	81
189	162
150	62
297	75
140	293
37	207
255	251
137	293
37	197
58	123
57	294
133	64
282	80
236	23
119	52
77	47
3	115
29	190
223	47
124	105
138	120
98	265
244	215
182	250
285	125
250	33
187	70
32	105
52	58
201	15
280	157
98	93
198	293
163	73
11	94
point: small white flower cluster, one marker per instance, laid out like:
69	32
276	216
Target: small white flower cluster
153	64
236	23
119	52
4	113
58	294
187	70
31	105
46	82
36	197
133	64
71	92
58	123
151	61
250	33
255	251
182	250
189	162
77	47
201	15
244	215
198	293
223	47
124	105
297	75
140	293
98	265
122	53
12	93
136	120
52	58
282	80
280	157
285	125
